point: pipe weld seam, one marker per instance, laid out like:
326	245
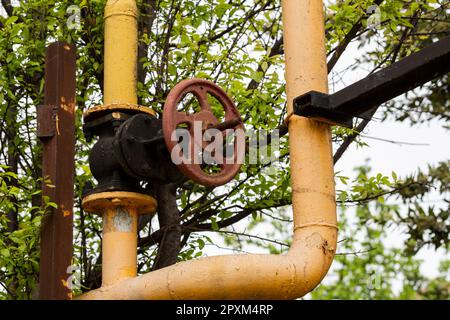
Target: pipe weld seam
308	190
315	224
172	292
128	14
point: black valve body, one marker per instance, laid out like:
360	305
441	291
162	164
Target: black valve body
130	152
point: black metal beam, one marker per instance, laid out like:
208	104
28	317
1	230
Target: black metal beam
382	86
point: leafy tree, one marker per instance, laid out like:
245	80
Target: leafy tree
239	45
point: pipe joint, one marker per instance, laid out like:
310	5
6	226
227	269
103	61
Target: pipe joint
121	8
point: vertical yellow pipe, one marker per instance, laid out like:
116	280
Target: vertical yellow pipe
120	211
313	192
120	52
119	244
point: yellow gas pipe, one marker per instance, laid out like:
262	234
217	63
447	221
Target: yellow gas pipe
255	276
120	210
121	36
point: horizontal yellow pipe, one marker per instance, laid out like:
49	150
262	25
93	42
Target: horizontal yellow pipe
254	276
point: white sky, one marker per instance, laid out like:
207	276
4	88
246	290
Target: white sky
402	159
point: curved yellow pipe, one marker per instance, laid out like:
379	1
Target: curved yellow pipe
255	276
233	277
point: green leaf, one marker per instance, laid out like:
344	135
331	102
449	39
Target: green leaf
214	224
394	176
201	244
5	253
52	204
264	66
11	20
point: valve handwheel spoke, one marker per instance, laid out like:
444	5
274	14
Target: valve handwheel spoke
201	94
172	119
181	117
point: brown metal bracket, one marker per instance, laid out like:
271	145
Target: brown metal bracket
46	121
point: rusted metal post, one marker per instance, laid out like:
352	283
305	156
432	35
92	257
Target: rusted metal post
56	130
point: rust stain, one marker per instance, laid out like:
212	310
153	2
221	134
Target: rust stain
316	240
65	283
327	249
68	107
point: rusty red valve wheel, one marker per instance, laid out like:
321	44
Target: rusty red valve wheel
189	164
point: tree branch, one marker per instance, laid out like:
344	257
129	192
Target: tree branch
239	234
347	39
169	220
8	7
